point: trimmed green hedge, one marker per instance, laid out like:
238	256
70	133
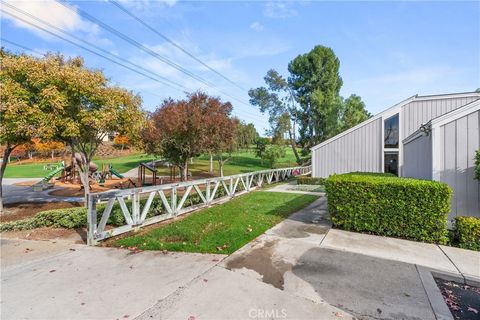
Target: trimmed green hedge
389	206
310	180
466	231
371	174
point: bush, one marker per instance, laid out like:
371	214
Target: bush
389	206
466	231
372	174
59	218
310	180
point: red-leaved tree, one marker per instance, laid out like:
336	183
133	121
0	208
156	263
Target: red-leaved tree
183	129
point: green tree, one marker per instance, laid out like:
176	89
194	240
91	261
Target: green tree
90	109
273	153
68	103
246	134
24	108
260	147
278	100
315	79
353	112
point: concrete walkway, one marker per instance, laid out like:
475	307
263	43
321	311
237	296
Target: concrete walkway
300	269
14	194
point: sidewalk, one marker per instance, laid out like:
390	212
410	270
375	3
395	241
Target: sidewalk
299	269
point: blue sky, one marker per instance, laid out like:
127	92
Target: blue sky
388	50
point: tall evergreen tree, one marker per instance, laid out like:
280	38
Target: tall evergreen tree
315	79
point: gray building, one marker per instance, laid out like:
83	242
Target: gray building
426	137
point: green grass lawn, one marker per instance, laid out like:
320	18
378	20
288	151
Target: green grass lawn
228	226
35	170
241	162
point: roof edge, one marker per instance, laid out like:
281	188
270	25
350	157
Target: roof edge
375	117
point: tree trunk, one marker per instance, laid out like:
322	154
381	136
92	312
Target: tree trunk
84	176
6	156
184	171
211	163
53	154
292	143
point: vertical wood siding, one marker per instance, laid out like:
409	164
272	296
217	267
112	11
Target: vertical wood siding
420	112
360	150
461	138
417	159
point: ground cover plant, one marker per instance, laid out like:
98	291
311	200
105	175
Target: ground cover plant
390	206
223	228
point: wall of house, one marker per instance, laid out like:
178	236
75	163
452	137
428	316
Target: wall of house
362	148
359	150
417	158
423	109
460	138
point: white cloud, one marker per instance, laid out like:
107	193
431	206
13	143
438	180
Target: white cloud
52	12
279	9
257	26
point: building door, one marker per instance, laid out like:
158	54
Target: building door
391	162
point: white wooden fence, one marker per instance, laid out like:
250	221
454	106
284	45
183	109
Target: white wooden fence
136	203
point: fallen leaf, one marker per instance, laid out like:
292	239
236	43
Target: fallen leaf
338	314
205	280
53	270
472	310
71	249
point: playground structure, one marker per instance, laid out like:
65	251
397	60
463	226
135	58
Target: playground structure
70	174
154	178
148	174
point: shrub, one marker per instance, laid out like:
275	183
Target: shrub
389	206
371	174
58	218
310	180
466	231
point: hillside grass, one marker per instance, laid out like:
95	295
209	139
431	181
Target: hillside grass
242	162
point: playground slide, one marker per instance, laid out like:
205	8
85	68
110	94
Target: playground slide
51	174
116	173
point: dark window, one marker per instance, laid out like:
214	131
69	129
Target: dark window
391	163
390	131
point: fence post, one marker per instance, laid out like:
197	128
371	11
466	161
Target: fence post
174	200
136	207
207	192
91	220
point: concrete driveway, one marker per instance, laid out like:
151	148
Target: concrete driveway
300	269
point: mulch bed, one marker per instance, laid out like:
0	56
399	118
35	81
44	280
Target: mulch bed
22	210
462	300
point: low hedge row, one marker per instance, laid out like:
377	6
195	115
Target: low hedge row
71	218
466	232
390	206
310	180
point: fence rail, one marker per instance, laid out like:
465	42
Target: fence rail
144	206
